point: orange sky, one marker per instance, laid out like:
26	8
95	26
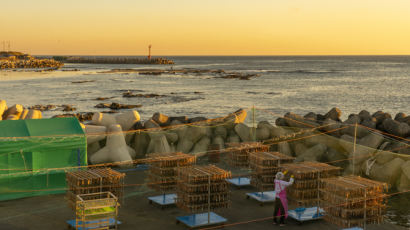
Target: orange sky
210	27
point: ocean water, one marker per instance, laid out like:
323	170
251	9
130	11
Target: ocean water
298	84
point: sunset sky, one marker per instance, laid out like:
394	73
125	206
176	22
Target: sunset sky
209	27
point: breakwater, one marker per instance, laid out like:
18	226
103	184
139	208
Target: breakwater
114	60
15	60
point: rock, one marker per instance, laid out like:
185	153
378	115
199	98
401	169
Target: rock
371	140
347	142
371	123
335	157
158	144
265	124
67	108
311	116
92	148
127	119
262	133
34	114
365	115
233	139
172	138
243	132
405	167
382	157
240	115
12	117
161	119
284	148
116	106
182	119
330	125
407	120
94	133
221	131
334	114
218	140
388	172
380	116
150	124
23	115
400	129
400	117
403	184
353	119
312	154
201	147
188	136
300	149
16	110
294	120
141	142
103	119
278	132
281	122
197	119
115	150
3	108
351	130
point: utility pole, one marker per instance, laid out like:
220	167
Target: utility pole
9	47
149	52
4	46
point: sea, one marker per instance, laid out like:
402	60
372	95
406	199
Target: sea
298	84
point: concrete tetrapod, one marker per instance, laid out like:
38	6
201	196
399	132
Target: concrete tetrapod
94	133
3	108
115	150
103	119
127	119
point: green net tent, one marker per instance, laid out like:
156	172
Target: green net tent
34	155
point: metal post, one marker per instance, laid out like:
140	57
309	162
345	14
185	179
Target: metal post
354	148
253	124
365	206
318	196
209	199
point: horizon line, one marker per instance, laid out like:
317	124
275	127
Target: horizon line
222	55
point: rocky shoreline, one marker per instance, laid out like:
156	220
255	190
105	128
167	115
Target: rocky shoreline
17	60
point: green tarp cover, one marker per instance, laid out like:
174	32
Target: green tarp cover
34	155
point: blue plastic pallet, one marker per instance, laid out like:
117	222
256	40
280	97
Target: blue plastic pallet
141	167
239	181
263	197
163	200
306	214
201	220
71	223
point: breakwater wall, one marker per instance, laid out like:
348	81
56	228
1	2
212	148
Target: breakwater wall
114	60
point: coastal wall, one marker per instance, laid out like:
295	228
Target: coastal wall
114	60
373	154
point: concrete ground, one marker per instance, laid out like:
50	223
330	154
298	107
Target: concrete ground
51	212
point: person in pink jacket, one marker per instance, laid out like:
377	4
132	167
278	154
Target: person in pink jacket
281	202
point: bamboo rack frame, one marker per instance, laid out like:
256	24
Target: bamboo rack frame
238	153
264	167
202	188
305	190
94	180
163	169
353	201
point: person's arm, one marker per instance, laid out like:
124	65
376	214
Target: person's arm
286	184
